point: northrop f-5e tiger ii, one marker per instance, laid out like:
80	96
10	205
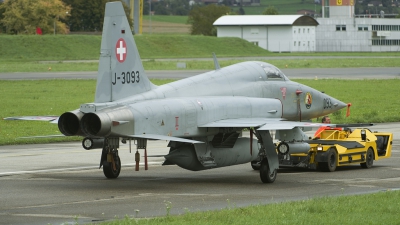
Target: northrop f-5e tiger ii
202	116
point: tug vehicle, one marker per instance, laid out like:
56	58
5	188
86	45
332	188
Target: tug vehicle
337	148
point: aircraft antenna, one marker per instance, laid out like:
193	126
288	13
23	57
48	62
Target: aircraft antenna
216	64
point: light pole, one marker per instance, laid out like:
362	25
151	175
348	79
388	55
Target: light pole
150	14
57	17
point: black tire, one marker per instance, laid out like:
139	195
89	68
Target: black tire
108	169
255	165
330	165
265	175
369	159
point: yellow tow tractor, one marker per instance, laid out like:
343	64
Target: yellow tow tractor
338	148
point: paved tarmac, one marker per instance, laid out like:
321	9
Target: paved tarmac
61	184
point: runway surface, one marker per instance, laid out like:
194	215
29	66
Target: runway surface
319	73
61	184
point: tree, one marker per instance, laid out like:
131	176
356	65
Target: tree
2	27
270	11
202	18
24	16
88	15
241	11
386	3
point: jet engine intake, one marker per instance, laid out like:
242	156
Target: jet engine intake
68	123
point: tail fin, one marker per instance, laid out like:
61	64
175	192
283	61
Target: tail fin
121	73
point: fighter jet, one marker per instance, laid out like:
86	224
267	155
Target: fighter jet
202	116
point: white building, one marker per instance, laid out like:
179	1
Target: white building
358	35
276	33
341	31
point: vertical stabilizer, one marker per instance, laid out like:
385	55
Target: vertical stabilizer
121	73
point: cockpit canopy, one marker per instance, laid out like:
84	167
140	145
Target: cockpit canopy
273	73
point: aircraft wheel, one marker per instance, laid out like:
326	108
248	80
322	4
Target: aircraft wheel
329	166
111	170
265	174
255	165
369	161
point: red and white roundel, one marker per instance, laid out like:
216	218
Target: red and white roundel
121	50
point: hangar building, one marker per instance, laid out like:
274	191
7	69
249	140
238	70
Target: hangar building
339	30
276	33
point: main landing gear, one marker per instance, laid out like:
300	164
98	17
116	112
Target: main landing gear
265	173
110	159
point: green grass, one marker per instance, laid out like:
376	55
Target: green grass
372	101
48	47
185	46
167	19
7	67
21	48
377	208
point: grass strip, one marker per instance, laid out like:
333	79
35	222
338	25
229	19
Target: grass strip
376	208
59	66
373	101
32	48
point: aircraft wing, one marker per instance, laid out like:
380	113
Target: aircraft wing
263	123
53	119
163	137
241	122
288	125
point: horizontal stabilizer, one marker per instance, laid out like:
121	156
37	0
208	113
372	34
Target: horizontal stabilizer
163	137
38	118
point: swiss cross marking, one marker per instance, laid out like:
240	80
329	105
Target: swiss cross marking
120	50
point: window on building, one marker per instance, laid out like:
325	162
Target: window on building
308	30
362	27
340	27
385	27
299	30
255	43
294	30
386	42
299	43
294	43
308	44
304	30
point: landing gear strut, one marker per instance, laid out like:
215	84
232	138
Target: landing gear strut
269	163
265	173
110	159
112	168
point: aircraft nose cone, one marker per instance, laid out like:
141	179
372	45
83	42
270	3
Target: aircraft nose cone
338	104
331	104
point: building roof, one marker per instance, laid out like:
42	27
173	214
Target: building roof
271	20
